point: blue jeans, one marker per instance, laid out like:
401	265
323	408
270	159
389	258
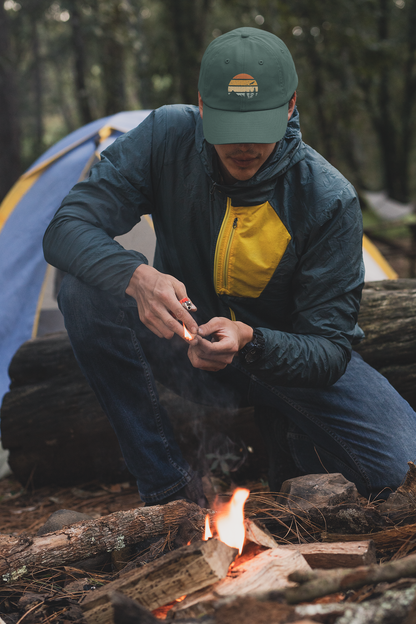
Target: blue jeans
360	426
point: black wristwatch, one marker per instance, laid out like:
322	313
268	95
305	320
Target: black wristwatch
254	349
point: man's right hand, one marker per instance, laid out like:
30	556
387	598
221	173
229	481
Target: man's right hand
158	297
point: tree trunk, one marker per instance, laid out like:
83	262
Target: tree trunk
78	47
113	63
9	126
187	18
38	147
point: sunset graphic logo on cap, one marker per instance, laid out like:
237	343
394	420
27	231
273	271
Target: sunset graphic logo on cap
243	85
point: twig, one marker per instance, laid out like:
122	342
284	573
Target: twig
38	604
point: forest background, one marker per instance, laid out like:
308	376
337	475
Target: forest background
68	62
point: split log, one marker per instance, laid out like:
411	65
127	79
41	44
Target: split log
24	554
327	556
184	570
270	570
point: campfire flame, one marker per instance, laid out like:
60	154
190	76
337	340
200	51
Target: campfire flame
208	532
187	334
230	521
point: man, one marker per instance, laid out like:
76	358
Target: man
264	237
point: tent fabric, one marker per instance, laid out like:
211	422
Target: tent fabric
27	210
24	216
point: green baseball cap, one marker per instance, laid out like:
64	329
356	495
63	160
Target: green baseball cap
246	80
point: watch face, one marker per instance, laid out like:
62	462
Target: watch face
252	354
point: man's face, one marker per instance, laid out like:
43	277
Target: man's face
240	161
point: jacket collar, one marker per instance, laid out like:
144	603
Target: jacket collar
260	187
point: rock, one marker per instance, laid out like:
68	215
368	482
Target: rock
59	519
66	517
316	491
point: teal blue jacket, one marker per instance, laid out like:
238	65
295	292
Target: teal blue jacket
281	252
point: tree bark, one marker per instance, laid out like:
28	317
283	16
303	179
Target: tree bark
23	555
78	47
9	125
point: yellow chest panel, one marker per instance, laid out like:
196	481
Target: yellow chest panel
250	245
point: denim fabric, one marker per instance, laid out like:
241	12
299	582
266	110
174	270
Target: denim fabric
360	426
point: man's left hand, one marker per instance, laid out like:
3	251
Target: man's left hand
226	338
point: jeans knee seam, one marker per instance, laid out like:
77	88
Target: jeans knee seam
321	425
154	403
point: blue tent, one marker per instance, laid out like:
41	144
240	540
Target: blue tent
24	216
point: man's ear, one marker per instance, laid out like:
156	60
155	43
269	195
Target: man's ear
200	104
292	104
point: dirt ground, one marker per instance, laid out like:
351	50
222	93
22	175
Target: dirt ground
26	511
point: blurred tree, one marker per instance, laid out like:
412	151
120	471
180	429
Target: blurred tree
9	119
188	20
79	36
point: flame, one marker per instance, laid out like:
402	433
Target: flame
187	334
230	521
208	532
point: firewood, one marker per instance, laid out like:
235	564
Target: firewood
184	570
129	611
393	606
24	554
337	554
268	570
315	583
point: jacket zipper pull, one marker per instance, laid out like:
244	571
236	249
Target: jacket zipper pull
235	223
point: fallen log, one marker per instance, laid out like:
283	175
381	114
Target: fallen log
388	318
57	433
184	570
24	554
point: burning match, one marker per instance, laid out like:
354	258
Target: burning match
189	307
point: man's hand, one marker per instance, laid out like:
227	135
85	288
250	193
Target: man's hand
158	297
227	338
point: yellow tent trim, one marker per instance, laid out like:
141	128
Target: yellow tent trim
149	221
372	250
14	196
40	301
45	164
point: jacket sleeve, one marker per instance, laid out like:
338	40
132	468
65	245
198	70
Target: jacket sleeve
327	288
79	239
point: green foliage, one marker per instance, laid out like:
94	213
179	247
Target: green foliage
79	60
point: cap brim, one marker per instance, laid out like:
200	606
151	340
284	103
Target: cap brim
265	126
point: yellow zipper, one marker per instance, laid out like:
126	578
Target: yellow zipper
223	248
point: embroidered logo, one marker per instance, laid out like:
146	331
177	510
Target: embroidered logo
243	85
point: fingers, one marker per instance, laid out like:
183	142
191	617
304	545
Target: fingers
199	360
158	302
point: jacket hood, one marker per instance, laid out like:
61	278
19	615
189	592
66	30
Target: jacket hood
261	186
